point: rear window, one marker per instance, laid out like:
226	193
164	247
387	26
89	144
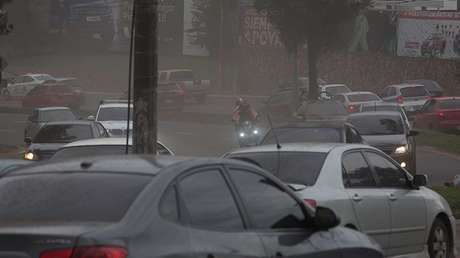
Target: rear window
56	115
414	92
293	167
363	97
114	114
63	133
182	76
293	135
336	90
378	124
70	197
449	104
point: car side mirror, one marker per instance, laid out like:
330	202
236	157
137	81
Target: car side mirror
325	218
413	133
28	140
420	180
91	118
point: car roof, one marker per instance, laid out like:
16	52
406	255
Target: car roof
381	104
292	147
101	141
111	105
376	113
121	164
333	85
71	122
358	93
448	98
52	108
37	74
405	85
336	123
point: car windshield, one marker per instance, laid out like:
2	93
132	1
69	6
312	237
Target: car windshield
44	77
449	104
54	198
414	92
63	133
114	114
378	124
363	97
56	115
336	90
291	167
305	134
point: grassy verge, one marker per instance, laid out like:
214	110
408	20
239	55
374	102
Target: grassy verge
440	141
452	196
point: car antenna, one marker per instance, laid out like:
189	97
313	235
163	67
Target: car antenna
278	145
131	49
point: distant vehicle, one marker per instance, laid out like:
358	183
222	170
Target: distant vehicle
170	97
99	147
386	131
328	91
50	95
304	83
322	109
185	78
442	114
313	131
411	97
434	45
54	135
41	116
431	86
386	106
353	100
113	115
146	206
21	85
369	190
8	164
282	105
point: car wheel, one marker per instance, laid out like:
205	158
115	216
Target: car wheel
439	241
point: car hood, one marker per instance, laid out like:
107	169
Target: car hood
379	141
115	124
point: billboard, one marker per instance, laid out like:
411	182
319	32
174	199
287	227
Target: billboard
257	31
442	5
429	34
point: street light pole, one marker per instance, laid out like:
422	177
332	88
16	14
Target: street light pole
145	76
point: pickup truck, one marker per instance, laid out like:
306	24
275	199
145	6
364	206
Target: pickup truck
185	78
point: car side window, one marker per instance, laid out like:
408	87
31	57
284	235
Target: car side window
352	135
357	171
101	130
389	174
209	202
391	92
339	98
169	205
268	205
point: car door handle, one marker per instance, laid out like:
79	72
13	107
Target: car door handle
392	197
357	198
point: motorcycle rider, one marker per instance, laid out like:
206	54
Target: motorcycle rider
243	112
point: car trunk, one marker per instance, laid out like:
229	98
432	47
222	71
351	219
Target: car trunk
24	240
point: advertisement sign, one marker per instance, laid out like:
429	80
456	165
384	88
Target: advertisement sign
430	5
191	21
257	31
429	34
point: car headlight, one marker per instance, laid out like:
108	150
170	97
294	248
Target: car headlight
30	156
402	149
256	131
242	135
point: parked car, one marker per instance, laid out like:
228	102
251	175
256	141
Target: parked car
7	164
186	79
411	97
442	114
19	86
386	131
113	115
328	91
386	106
433	87
145	206
370	191
41	116
50	95
353	100
101	146
313	131
54	135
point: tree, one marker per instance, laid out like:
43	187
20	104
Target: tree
145	76
317	23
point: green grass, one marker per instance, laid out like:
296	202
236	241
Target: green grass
441	141
452	196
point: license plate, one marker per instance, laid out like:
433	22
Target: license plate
93	18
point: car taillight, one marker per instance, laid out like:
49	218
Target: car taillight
87	252
351	107
442	115
400	100
312	203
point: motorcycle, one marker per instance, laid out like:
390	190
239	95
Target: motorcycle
248	134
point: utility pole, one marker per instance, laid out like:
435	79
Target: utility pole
145	76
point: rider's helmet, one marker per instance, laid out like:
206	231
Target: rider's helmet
239	102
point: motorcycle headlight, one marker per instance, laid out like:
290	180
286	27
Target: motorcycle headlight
402	149
256	131
242	135
29	156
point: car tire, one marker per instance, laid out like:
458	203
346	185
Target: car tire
439	241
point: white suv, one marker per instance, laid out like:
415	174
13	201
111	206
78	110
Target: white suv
113	116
